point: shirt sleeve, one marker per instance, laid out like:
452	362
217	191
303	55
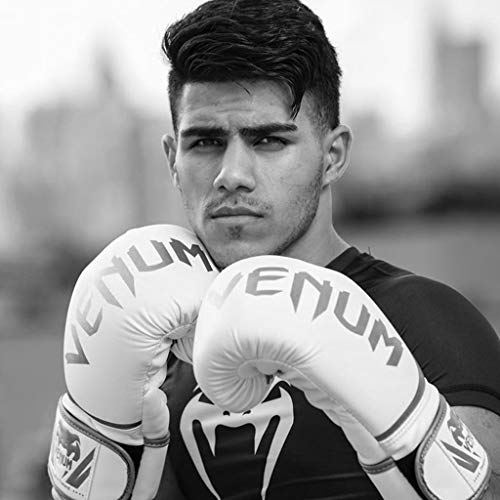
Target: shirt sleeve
454	344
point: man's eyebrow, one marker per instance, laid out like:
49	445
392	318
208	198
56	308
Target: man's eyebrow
257	130
207	131
268	129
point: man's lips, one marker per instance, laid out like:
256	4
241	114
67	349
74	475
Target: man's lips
234	212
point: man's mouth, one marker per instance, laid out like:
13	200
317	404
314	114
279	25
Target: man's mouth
234	212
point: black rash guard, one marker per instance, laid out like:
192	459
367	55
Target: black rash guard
288	450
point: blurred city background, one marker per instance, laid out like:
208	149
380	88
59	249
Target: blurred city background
83	107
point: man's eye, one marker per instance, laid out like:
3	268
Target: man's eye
271	143
206	143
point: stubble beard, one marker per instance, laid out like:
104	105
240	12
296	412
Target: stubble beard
303	211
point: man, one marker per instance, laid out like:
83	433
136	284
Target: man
254	93
257	144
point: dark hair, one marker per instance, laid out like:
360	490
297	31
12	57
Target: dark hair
237	40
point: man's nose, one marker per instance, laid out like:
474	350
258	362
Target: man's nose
236	168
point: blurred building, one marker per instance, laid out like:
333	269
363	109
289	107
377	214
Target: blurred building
463	155
382	179
7	227
453	163
458	82
94	168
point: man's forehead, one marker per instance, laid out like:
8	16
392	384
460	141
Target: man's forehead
242	90
234	104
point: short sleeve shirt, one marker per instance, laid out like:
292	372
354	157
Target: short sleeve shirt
286	449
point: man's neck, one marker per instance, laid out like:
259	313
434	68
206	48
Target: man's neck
318	246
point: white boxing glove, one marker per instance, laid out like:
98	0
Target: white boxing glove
137	300
321	332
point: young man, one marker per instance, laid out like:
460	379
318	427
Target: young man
257	144
254	93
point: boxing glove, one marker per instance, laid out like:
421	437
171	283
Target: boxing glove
317	329
134	302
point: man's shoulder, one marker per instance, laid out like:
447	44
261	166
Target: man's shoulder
418	306
452	341
386	281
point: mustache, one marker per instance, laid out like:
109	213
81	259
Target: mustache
237	202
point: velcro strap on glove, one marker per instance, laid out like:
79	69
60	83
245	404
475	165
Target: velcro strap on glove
83	462
450	462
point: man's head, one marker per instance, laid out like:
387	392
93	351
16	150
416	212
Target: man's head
254	96
277	40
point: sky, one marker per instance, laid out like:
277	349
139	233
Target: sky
47	49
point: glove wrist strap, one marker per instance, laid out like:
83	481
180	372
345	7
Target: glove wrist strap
450	462
83	462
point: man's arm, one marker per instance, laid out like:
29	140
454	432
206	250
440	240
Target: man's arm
485	425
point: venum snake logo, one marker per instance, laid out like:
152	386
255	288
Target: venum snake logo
217	439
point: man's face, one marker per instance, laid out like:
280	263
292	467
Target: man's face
250	177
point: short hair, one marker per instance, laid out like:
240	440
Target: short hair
237	40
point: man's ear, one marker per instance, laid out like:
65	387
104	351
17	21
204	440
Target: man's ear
337	153
170	148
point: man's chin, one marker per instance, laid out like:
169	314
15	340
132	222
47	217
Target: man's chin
229	243
225	255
